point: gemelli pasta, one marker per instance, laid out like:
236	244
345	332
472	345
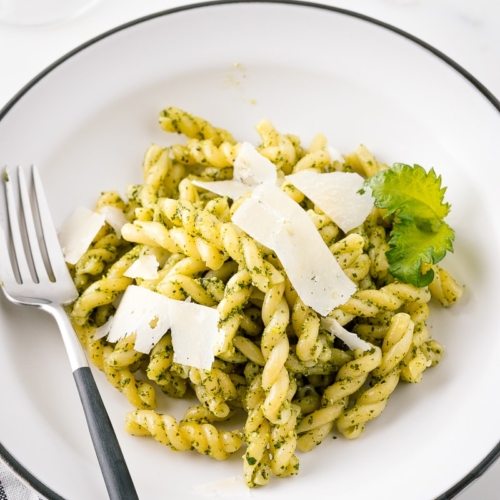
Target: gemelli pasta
274	360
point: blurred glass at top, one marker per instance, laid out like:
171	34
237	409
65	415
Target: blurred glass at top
42	12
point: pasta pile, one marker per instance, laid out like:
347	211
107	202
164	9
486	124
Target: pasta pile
294	380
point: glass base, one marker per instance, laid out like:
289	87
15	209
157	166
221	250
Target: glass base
42	12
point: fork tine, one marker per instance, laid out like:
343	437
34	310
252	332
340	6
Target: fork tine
22	263
52	244
36	255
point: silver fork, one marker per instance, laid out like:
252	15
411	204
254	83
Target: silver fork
33	273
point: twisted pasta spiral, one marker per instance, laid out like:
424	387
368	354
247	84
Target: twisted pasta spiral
243	250
279	148
206	153
155	166
119	367
275	347
105	290
444	287
313	428
236	294
306	325
185	435
159	368
173	119
372	402
256	460
368	303
282	446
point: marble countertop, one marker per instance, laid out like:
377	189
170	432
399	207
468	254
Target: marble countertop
468	31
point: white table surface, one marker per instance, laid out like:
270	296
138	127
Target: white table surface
468	31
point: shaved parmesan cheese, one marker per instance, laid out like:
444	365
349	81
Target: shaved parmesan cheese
335	156
279	223
160	254
349	338
194	333
250	170
77	233
114	217
103	330
144	313
150	315
145	267
340	195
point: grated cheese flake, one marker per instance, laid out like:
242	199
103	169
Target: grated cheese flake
114	217
279	223
77	232
340	195
150	315
250	170
349	338
103	330
335	155
143	312
145	267
194	333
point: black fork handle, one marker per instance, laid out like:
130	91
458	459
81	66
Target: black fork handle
109	455
114	469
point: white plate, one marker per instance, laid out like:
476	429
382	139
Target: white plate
87	121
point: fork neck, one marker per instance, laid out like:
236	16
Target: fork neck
76	353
